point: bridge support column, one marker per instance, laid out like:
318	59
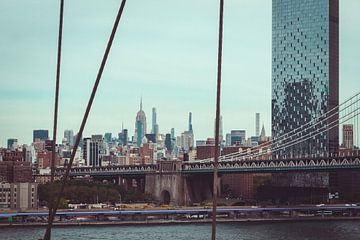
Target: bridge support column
166	186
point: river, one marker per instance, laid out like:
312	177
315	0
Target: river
326	230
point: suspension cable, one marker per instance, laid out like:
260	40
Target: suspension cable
217	124
88	108
53	153
296	134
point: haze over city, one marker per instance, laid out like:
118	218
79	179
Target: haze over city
164	52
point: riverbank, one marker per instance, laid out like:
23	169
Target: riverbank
177	222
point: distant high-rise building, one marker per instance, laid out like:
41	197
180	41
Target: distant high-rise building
140	126
262	134
49	145
151	137
305	71
172	133
91	152
228	139
108	137
238	137
69	136
190	122
257	124
40	135
348	136
168	143
97	137
187	140
123	137
154	125
12	143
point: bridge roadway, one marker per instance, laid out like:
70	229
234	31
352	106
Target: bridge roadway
196	211
230	166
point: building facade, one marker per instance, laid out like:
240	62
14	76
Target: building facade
69	136
348	136
238	137
18	195
140	126
91	152
12	143
305	71
40	135
257	124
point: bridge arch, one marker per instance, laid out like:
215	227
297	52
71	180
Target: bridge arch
165	197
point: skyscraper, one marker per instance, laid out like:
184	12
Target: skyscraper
140	126
172	133
91	152
190	122
41	135
168	144
257	124
237	137
305	70
69	136
108	137
348	136
12	143
154	125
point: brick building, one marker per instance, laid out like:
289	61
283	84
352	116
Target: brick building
11	171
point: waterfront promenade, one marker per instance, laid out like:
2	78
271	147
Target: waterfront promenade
169	215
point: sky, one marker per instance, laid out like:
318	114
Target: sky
164	51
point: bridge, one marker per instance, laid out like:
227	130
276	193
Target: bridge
184	182
237	166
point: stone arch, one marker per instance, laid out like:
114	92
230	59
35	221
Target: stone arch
165	197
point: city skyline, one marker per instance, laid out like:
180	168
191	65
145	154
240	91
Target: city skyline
187	82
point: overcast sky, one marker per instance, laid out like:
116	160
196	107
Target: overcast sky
164	50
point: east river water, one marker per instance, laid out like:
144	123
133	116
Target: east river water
327	230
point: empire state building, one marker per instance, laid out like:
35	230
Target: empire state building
140	126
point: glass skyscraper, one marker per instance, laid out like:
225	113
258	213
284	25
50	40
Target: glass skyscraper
305	71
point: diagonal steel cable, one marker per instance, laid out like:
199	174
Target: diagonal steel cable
53	154
217	124
88	108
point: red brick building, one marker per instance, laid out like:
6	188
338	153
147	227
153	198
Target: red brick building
204	152
44	159
146	154
15	171
12	155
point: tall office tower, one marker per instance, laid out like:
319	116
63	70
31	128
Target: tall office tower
69	136
348	136
187	141
12	143
140	126
154	125
91	152
305	71
168	144
228	139
190	122
172	133
237	137
123	137
40	135
107	137
257	124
